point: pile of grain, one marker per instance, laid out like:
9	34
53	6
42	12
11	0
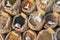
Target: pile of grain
45	36
13	36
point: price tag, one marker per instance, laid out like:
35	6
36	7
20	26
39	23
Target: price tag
17	25
28	38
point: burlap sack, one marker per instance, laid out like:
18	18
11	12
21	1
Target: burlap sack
52	19
14	9
47	5
35	21
44	35
30	4
24	26
5	22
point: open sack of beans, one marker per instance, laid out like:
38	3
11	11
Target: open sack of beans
44	35
12	7
28	6
35	21
20	22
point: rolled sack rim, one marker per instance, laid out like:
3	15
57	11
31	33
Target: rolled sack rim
32	27
7	23
23	27
30	31
56	33
31	9
55	22
9	34
7	15
42	32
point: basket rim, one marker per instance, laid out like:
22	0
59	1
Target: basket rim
8	16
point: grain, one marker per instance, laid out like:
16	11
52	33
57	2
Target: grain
13	37
45	36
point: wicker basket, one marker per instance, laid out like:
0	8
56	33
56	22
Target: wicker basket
46	36
29	35
23	27
13	36
57	34
5	21
28	6
35	21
